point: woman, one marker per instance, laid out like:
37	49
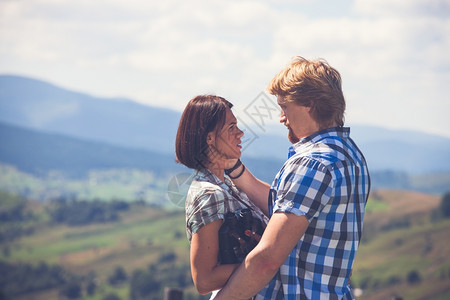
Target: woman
208	141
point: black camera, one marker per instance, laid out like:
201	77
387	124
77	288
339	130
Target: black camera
238	235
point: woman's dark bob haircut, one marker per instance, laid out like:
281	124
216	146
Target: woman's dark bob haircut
202	115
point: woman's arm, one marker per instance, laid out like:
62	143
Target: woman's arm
256	190
207	275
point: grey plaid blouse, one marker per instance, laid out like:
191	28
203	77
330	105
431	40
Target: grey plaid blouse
209	198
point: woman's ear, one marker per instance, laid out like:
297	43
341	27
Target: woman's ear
210	138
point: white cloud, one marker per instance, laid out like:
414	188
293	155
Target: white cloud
403	8
394	66
392	54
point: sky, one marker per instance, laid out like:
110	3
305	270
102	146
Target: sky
393	55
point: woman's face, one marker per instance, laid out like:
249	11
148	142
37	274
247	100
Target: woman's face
226	143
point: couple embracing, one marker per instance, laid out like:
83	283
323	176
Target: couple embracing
311	215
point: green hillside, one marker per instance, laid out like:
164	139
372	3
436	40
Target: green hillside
142	250
405	248
144	238
125	184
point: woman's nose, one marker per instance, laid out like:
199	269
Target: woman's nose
240	133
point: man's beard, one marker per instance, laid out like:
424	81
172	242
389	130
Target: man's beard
291	136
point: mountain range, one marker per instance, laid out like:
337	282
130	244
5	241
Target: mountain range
45	107
32	106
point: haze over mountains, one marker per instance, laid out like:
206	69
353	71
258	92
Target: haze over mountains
30	104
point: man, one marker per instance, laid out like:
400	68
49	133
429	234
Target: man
316	201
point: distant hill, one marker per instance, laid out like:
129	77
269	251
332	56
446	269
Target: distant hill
38	153
42	106
403	150
38	105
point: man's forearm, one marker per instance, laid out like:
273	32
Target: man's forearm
262	263
251	277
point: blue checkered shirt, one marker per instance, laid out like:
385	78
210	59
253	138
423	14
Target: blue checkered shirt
326	180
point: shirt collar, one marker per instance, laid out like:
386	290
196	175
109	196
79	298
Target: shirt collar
206	175
343	132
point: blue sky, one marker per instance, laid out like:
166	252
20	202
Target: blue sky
392	54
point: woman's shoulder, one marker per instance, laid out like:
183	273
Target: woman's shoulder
204	182
203	186
205	203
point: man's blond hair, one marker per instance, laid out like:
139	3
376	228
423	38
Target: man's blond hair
315	84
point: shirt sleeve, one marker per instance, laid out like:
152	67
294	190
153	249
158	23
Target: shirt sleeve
209	206
304	188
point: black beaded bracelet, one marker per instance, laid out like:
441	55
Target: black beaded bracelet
236	165
239	175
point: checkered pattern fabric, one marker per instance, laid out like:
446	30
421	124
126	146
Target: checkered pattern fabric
209	198
326	180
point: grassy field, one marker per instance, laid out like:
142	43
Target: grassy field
403	238
138	240
123	184
404	252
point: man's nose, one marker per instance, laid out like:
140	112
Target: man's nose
282	117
